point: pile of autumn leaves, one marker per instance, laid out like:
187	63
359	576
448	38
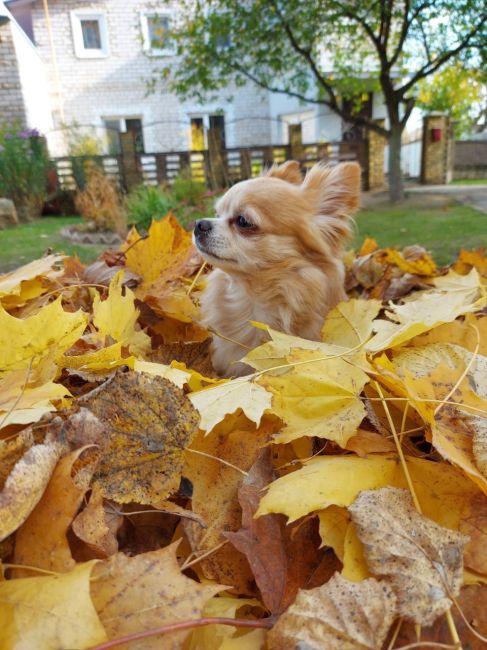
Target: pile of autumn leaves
335	498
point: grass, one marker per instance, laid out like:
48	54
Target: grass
442	230
469	181
28	242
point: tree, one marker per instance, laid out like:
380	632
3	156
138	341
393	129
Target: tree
459	91
326	51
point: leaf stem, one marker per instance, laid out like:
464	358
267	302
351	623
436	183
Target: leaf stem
399	449
265	623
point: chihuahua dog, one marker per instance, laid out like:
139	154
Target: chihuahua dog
277	252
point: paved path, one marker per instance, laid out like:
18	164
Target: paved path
473	195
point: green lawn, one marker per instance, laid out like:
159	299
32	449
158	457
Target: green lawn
25	243
443	230
469	181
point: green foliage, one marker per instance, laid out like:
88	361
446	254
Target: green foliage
186	197
458	91
24	163
325	52
148	202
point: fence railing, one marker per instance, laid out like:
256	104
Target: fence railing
218	168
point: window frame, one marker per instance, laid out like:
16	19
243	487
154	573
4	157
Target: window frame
146	44
81	52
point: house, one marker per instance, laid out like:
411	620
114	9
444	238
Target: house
100	56
24	96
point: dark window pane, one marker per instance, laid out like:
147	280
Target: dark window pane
158	27
217	129
91	34
135	125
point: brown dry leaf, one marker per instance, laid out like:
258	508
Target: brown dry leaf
368	442
100	273
132	594
474	524
12	450
148	423
367	270
215	498
401	286
97	527
472	600
282	558
82	428
26	484
423	561
340	615
41	541
50	613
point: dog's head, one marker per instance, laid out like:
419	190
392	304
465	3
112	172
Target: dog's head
278	216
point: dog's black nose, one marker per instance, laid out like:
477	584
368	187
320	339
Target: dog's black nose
203	227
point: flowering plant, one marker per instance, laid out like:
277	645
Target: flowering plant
24	163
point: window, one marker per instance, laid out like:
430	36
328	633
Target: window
116	125
156	34
90	34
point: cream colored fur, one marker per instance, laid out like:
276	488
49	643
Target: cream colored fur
286	270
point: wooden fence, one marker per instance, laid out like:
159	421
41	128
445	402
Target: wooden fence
218	168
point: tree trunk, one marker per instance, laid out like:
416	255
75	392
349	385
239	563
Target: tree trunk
396	187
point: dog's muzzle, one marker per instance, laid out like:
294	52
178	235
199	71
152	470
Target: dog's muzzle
202	229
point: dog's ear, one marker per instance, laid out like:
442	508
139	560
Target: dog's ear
288	171
335	191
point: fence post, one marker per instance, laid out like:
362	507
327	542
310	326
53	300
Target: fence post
218	175
131	172
296	141
375	159
437	152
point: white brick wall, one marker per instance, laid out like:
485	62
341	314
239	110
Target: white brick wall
11	100
116	86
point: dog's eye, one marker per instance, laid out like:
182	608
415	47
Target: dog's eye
242	222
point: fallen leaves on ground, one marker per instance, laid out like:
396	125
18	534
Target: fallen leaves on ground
153	492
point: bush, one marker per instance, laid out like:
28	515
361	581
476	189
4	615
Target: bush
24	164
186	197
146	203
100	203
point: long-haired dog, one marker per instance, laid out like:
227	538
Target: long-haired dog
277	249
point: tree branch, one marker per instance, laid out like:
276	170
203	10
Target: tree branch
432	66
332	102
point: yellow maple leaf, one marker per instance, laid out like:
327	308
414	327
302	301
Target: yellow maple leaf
28	281
23	342
50	612
442	490
22	404
195	380
173	374
317	396
467	259
116	317
217	401
350	323
369	246
422	265
452	296
99	361
164	253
